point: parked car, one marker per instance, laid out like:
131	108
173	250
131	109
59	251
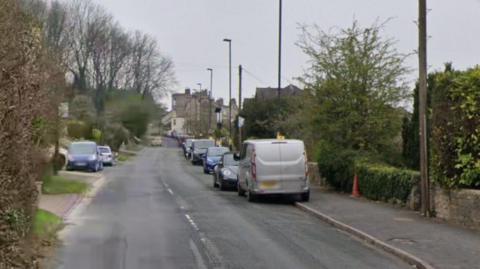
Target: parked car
84	156
226	172
212	157
199	148
156	141
273	167
107	155
187	148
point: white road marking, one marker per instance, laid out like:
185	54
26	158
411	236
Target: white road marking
170	191
198	256
190	220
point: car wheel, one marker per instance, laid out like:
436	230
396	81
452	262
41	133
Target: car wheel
305	197
251	197
222	186
240	191
95	168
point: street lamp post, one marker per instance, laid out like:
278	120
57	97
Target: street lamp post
210	100
229	41
280	49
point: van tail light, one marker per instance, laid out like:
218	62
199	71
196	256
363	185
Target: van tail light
306	163
254	166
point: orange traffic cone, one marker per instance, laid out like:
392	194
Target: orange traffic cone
355	190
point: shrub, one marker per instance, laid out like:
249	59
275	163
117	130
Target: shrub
79	129
382	182
115	135
97	135
336	165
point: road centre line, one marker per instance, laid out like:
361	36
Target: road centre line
190	220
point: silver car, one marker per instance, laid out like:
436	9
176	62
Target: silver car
107	155
273	167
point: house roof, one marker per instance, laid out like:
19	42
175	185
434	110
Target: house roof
271	93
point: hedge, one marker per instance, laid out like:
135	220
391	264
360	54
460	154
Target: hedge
336	165
386	183
455	136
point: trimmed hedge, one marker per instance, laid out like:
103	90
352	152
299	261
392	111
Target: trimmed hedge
336	165
386	183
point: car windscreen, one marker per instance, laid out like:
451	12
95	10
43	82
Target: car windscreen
203	144
188	143
217	151
82	148
104	150
228	160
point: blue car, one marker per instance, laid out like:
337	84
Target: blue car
212	158
84	156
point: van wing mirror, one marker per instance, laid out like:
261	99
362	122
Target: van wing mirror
236	156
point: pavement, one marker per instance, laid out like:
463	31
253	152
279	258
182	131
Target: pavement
440	244
159	211
62	204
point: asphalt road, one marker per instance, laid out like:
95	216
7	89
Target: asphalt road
159	211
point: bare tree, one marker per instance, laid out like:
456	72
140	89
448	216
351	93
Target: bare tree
149	72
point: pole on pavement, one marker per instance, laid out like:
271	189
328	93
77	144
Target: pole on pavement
229	41
210	100
422	57
240	71
280	49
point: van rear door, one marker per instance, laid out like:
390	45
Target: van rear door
292	156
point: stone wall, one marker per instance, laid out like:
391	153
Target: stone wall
314	175
458	206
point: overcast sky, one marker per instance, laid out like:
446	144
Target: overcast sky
191	33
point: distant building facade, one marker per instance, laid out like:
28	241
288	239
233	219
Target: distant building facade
193	113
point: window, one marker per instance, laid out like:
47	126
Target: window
174	122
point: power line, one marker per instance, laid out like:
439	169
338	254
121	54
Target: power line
253	76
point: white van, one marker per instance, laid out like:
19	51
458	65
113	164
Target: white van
273	167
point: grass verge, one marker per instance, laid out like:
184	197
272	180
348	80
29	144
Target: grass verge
123	158
46	224
60	185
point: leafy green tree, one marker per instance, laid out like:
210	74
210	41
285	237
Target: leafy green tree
261	117
356	80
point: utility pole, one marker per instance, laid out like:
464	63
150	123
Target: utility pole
229	41
240	70
199	111
280	49
210	100
422	57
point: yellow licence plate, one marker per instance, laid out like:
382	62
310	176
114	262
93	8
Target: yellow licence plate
268	185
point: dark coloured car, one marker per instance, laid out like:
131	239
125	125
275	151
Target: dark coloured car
187	148
212	158
199	148
84	156
226	172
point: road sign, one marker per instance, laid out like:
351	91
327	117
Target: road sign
241	122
